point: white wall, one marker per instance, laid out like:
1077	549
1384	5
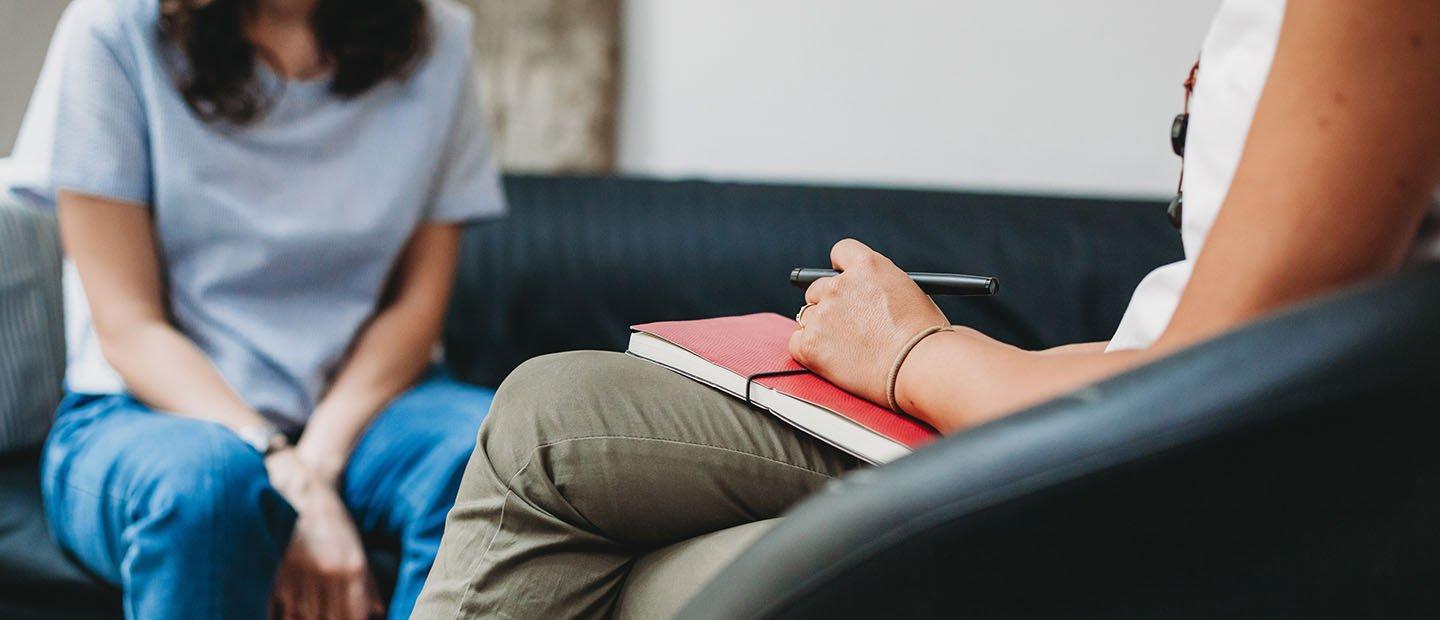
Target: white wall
1025	95
25	27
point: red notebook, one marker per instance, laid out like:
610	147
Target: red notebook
726	353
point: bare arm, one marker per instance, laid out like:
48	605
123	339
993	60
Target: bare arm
387	355
392	350
1333	184
113	247
1079	347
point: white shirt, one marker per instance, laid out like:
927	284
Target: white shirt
1234	65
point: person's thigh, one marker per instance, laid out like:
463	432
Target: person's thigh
646	455
178	512
590	459
402	477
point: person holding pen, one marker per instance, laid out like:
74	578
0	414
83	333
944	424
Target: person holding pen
1313	152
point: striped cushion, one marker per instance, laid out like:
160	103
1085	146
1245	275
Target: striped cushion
32	336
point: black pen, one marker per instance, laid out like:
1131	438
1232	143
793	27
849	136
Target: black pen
930	283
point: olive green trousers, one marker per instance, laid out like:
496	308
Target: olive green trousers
588	461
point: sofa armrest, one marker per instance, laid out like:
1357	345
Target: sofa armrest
1284	469
32	337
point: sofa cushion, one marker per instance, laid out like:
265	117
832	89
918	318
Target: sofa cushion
37	580
661	582
32	339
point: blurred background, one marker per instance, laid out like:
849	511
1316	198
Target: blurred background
1052	96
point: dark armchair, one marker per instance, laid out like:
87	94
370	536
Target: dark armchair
1288	469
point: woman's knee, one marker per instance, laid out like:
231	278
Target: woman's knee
551	398
213	481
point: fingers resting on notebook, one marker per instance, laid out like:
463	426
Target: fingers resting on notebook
860	320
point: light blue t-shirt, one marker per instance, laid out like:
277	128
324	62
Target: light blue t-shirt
278	237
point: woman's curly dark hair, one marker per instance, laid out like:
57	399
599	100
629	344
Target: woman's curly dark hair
365	42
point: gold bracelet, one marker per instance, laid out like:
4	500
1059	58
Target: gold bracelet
900	361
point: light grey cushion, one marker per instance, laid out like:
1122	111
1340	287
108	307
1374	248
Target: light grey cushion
32	331
663	581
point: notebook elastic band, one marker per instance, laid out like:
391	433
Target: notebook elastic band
761	375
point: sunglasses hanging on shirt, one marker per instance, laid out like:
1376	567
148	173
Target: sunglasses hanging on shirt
1178	131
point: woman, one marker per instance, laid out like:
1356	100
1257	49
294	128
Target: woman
261	201
589	458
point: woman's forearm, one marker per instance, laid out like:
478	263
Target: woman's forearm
956	380
392	350
166	371
1079	347
390	353
113	245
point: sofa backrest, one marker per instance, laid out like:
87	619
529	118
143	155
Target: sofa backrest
32	338
580	259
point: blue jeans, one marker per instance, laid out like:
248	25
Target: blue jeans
180	513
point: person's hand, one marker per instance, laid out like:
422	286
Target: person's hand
324	572
860	320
